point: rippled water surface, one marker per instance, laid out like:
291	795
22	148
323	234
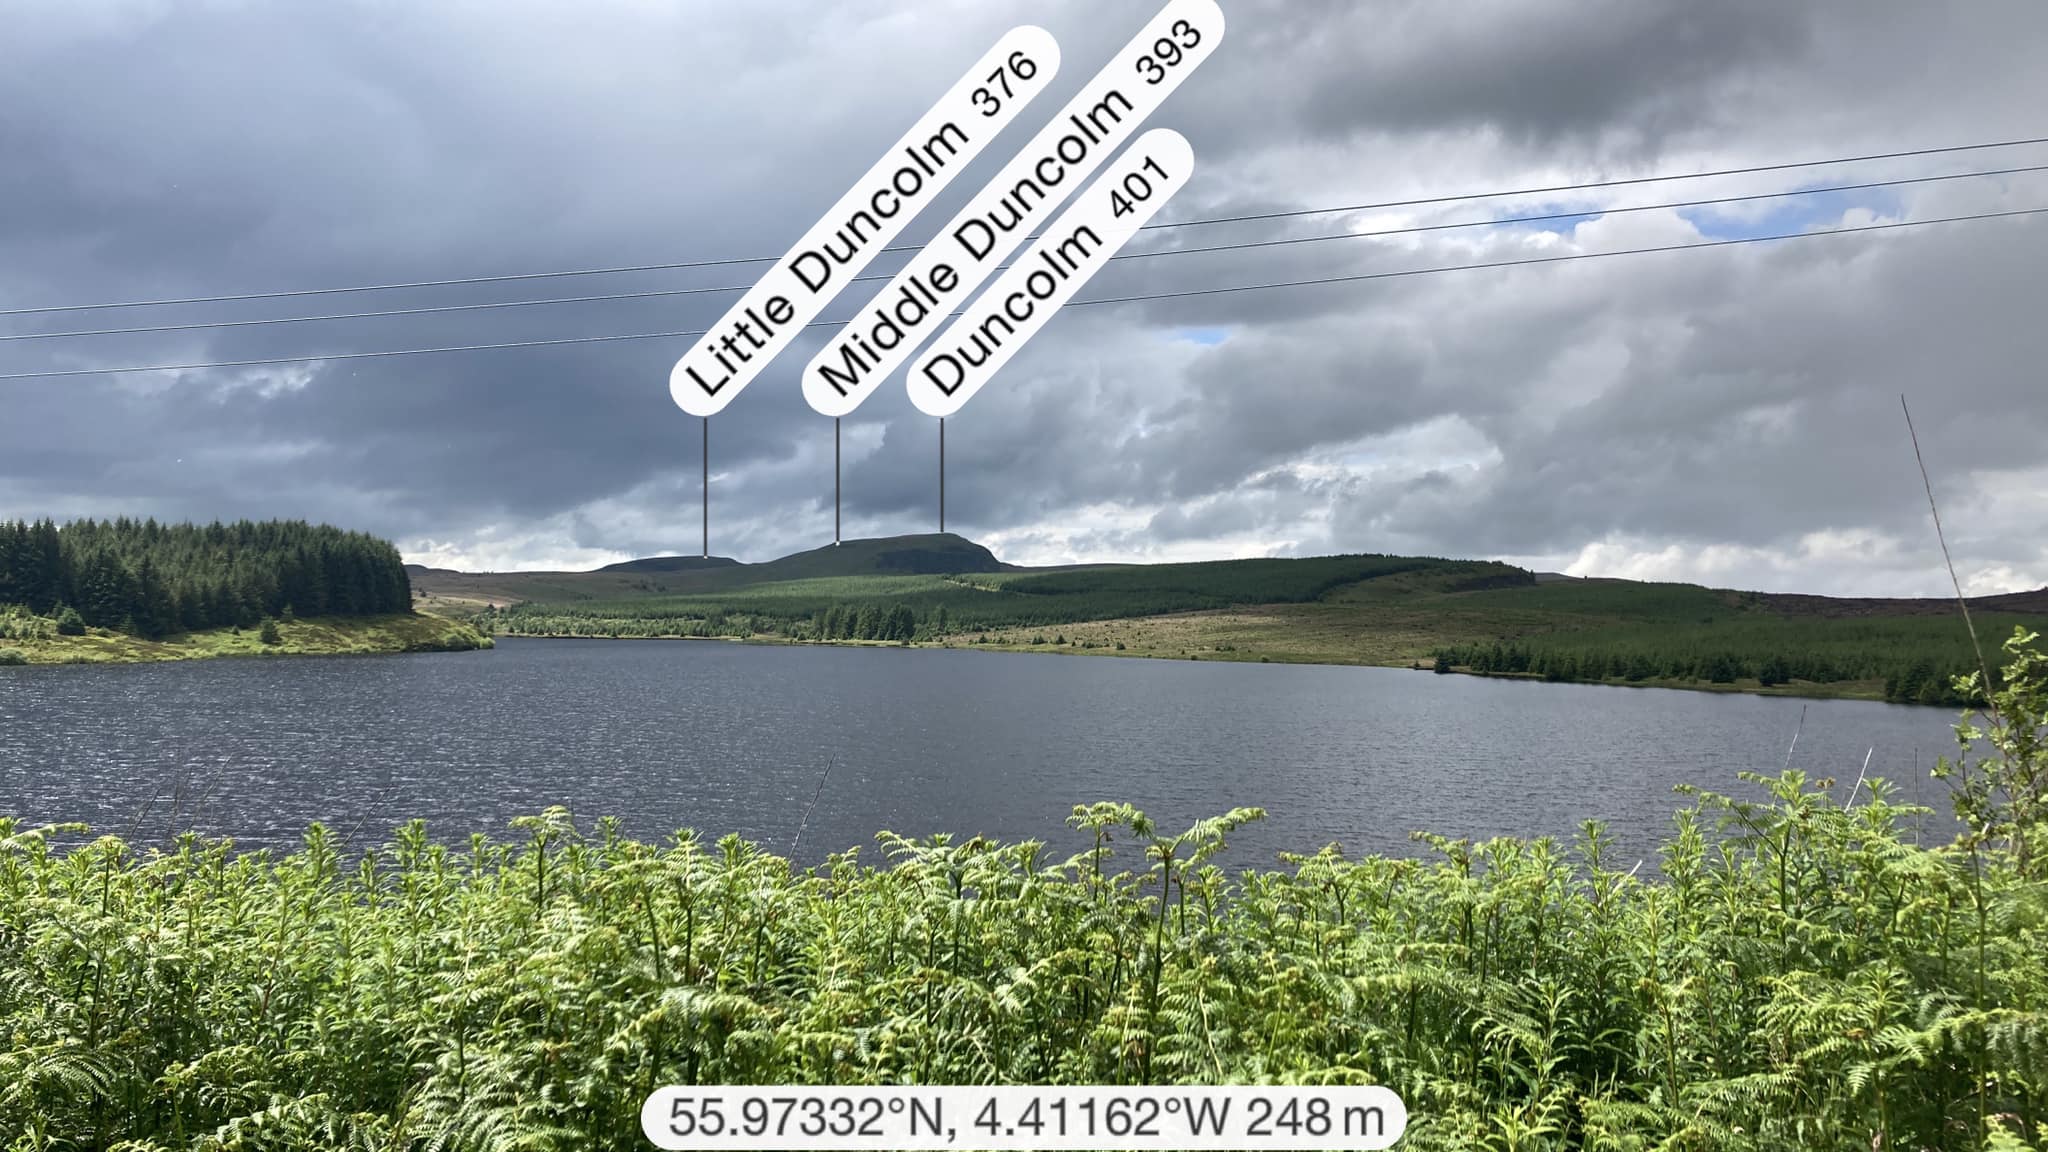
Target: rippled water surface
735	738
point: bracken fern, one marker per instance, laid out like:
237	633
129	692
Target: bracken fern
1797	974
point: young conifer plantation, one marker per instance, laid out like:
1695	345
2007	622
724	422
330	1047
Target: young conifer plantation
1794	970
150	580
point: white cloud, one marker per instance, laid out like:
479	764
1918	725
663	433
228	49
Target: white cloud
542	547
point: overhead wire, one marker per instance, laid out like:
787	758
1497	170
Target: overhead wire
1135	298
1890	225
1753	169
1547	217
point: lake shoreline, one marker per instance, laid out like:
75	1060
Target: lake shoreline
391	634
1870	691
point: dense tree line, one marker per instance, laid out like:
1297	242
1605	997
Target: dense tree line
873	622
522	620
1925	682
898	622
1907	678
150	579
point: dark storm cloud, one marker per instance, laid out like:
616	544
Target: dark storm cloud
258	146
1637	412
1535	73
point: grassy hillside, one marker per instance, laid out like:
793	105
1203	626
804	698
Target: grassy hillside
35	643
1612	630
946	604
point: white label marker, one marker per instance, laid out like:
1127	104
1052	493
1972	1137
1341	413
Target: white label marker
864	221
1081	136
1073	248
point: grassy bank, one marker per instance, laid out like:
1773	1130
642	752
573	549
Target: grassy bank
397	632
1790	972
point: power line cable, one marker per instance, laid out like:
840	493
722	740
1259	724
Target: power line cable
1351	279
1620	183
1232	247
1239	218
1364	276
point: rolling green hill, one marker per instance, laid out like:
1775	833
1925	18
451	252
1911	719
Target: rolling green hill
1458	615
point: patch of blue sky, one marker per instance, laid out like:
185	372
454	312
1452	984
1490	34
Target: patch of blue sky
1205	335
1802	212
1778	216
1563	217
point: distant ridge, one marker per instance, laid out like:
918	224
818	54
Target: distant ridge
670	564
947	554
929	554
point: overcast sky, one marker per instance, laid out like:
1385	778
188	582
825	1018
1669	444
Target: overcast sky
1728	416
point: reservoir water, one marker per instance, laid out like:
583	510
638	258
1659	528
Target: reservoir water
737	738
